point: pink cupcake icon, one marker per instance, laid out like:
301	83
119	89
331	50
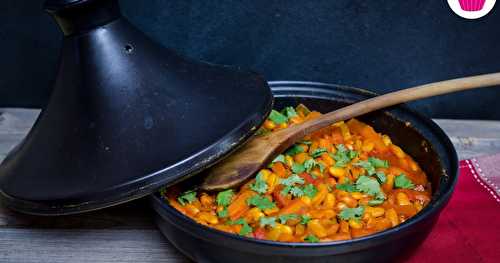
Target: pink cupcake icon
471	5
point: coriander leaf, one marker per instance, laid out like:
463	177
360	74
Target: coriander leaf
370	170
291	180
260	185
245	230
284	218
378	163
309	164
306	142
289	185
267	221
294	150
301	107
311	239
346	187
262	131
289	112
352	154
280	158
318	152
286	190
310	190
401	181
187	197
381	177
240	221
296	191
368	185
343	156
223	213
321	167
341	148
277	117
224	197
305	219
351	213
298	168
375	202
260	202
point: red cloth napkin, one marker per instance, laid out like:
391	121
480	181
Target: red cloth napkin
468	229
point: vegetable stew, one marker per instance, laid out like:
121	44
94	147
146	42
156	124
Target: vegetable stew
341	182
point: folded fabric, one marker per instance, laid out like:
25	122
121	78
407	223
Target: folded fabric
468	229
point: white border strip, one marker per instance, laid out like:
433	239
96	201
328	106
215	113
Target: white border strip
478	179
484	177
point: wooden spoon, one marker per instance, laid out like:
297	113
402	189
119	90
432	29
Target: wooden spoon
249	159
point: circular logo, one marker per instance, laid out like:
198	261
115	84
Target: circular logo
471	9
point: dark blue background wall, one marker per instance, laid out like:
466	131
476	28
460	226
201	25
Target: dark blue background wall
377	45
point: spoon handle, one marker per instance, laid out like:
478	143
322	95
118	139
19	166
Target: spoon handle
246	161
397	97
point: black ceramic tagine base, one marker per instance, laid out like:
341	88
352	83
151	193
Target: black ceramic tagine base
126	116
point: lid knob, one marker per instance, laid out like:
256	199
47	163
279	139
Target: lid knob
75	16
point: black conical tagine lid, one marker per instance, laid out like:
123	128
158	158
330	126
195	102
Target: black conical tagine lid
126	116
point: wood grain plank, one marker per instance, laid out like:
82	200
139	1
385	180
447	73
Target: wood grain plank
470	128
132	215
76	245
469	147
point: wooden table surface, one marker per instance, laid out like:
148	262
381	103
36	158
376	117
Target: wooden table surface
127	233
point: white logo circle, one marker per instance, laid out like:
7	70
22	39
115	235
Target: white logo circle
471	9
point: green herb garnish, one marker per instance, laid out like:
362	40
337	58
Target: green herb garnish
401	181
368	185
245	229
378	163
291	180
224	198
310	190
306	142
223	213
277	117
290	185
262	131
371	164
260	185
346	187
381	177
375	202
296	191
187	197
284	218
318	152
298	168
240	221
289	112
311	239
260	202
309	164
280	158
267	221
343	156
305	219
294	150
370	170
351	213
